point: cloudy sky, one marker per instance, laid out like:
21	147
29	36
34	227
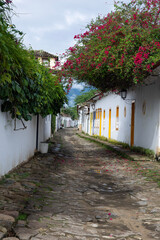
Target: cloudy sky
51	24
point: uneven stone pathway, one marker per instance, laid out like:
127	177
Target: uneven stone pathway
78	191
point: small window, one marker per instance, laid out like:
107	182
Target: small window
46	62
117	118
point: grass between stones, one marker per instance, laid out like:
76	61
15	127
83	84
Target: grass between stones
22	216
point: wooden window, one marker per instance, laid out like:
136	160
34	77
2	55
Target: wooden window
117	118
46	62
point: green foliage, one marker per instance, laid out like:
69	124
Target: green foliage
22	216
145	151
72	111
53	123
26	87
117	50
84	96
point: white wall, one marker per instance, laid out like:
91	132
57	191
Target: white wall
52	62
66	121
146	131
111	102
58	122
69	122
147	125
15	146
18	146
47	127
44	131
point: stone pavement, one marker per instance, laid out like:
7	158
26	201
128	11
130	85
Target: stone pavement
78	191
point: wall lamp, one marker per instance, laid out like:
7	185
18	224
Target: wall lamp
93	106
123	93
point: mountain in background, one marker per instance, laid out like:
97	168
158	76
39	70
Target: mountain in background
73	93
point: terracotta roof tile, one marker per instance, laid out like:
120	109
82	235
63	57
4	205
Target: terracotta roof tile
43	54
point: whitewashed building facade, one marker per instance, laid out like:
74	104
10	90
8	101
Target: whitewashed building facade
65	121
134	120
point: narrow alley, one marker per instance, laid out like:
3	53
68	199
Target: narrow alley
78	191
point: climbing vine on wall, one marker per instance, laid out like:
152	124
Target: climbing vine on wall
26	87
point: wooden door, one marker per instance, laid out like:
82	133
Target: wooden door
109	132
91	123
100	122
132	123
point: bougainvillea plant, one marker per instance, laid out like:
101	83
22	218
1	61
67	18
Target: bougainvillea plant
117	50
26	87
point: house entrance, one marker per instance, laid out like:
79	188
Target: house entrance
132	123
100	122
109	132
91	123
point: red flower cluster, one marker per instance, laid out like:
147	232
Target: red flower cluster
117	50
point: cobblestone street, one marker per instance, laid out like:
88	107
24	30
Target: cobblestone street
78	191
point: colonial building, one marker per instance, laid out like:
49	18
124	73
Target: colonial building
47	59
132	118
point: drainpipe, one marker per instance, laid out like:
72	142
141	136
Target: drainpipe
37	133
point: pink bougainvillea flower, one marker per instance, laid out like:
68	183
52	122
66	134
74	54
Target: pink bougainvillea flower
114	48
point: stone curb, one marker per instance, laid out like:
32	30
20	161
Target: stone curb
131	154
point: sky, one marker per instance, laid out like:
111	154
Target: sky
51	25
